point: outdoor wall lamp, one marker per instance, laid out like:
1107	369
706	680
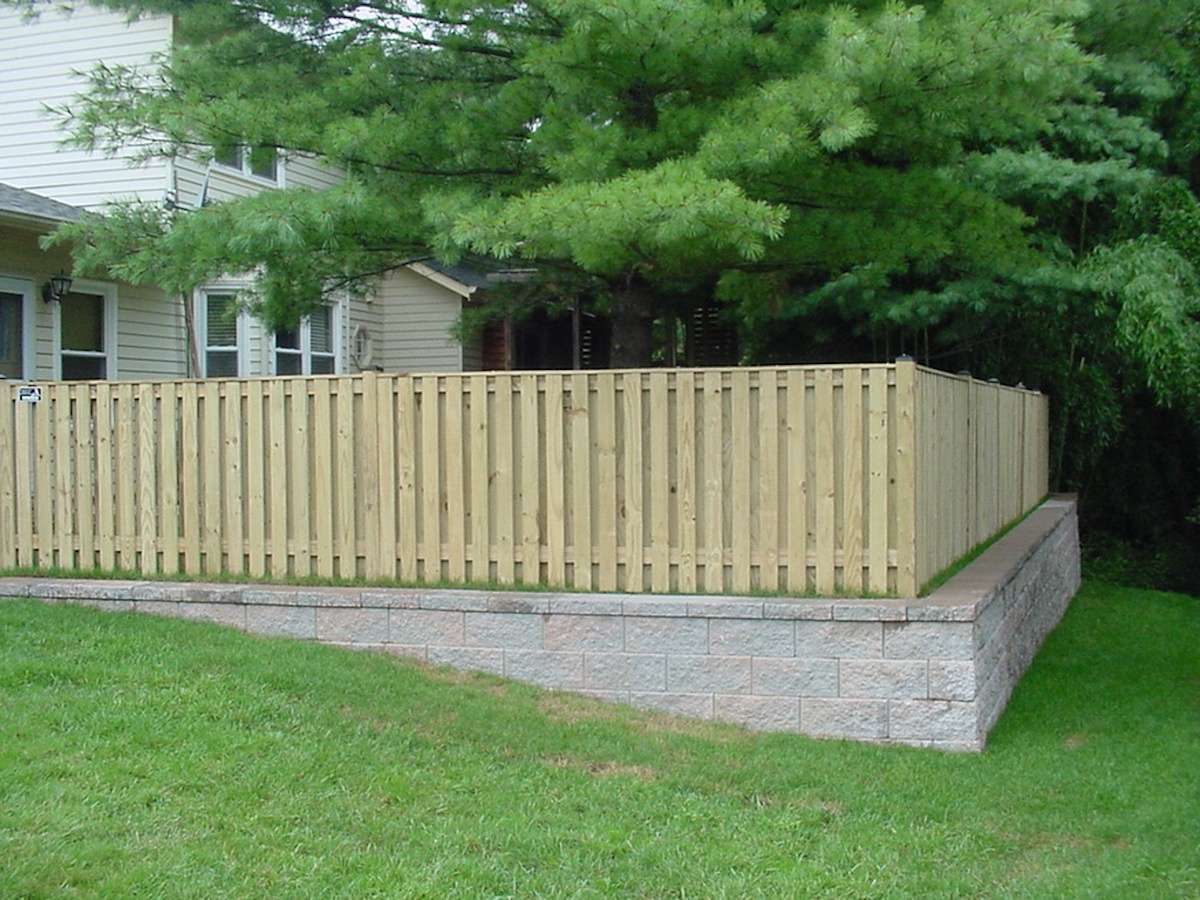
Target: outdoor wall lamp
56	288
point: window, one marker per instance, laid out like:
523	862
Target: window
258	162
85	335
16	328
310	349
221	358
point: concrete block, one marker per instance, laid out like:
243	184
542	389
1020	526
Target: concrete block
333	597
796	677
463	601
282	621
813	610
886	679
473	659
212	593
864	719
702	674
944	720
824	639
941	612
759	713
426	626
546	668
390	599
625	672
597	633
725	608
928	640
950	680
513	602
655	606
510	631
869	611
749	637
233	614
270	596
666	635
587	604
352	626
698	706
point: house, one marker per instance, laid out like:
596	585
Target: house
107	329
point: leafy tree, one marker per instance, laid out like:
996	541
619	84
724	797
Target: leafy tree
654	147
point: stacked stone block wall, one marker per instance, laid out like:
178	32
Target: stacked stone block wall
934	671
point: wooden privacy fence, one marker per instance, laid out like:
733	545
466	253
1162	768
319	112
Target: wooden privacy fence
802	479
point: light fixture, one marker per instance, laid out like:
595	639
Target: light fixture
56	288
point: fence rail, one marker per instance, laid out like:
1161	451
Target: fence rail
801	479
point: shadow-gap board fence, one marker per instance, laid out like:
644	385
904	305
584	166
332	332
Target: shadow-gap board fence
806	480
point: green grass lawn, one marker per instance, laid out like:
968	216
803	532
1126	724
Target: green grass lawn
150	757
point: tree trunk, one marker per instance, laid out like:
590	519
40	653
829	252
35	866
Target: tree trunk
632	317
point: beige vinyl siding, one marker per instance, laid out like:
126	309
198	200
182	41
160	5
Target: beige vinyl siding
417	318
150	326
40	59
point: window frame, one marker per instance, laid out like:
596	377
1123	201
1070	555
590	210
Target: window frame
108	292
200	318
336	314
10	284
245	169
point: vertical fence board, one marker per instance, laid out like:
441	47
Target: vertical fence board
660	484
685	404
64	527
556	510
385	412
797	488
8	502
634	507
126	484
852	480
877	480
301	486
825	523
211	476
453	455
256	489
23	454
581	483
604	439
406	454
168	467
345	531
504	481
277	476
107	493
148	485
481	542
367	474
714	482
768	467
529	491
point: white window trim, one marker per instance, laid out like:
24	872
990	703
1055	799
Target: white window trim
108	291
200	318
338	313
24	287
245	172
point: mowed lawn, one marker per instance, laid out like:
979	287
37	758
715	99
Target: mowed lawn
150	757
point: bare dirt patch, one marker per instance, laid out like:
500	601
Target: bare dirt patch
604	769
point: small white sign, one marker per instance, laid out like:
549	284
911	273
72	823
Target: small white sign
29	393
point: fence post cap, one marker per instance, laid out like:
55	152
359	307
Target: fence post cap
904	357
966	372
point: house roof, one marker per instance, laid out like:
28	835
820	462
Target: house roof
470	275
28	205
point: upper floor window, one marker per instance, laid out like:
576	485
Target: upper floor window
311	348
258	162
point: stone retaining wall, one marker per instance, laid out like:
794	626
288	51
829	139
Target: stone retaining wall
935	671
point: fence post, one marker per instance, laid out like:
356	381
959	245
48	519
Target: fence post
906	477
